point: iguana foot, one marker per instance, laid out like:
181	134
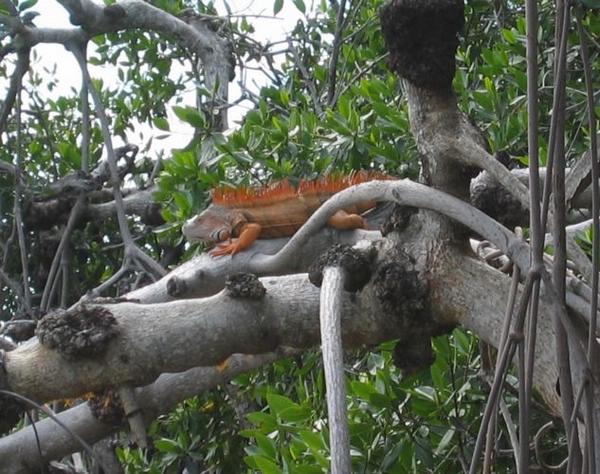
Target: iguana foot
341	220
248	235
230	248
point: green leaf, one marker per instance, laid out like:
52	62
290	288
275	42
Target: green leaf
167	446
70	154
300	5
266	466
190	115
316	444
267	445
277	6
161	123
380	400
26	4
313	440
591	3
182	202
307	469
510	36
423	451
361	390
264	420
280	404
445	441
426	393
437	375
286	409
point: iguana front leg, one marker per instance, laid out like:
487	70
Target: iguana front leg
248	235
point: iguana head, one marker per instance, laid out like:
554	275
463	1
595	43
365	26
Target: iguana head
215	224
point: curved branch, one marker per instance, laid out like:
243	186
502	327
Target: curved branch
332	293
13	90
407	193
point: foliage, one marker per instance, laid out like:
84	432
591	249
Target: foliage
292	133
398	424
491	77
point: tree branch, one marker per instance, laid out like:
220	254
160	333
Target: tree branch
225	325
19	453
335	53
333	363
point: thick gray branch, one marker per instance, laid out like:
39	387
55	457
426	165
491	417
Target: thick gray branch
176	336
407	193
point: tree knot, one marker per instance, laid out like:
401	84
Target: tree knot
356	265
84	331
107	407
244	285
422	37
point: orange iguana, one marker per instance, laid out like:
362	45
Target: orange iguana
236	218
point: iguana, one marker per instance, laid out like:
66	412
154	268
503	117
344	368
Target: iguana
236	218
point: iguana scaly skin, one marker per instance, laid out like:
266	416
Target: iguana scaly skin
236	218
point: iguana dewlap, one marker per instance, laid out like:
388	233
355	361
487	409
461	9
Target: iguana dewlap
235	219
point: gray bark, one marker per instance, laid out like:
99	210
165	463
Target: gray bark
333	363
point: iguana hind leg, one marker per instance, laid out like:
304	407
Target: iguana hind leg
343	221
248	235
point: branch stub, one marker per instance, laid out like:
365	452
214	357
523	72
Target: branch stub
355	263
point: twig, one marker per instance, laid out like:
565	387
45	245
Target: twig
556	170
501	347
592	342
307	78
134	415
54	418
130	246
65	262
66	235
23	60
538	450
335	53
473	154
537	232
370	23
512	432
13	285
14	88
108	283
501	368
359	75
85	128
